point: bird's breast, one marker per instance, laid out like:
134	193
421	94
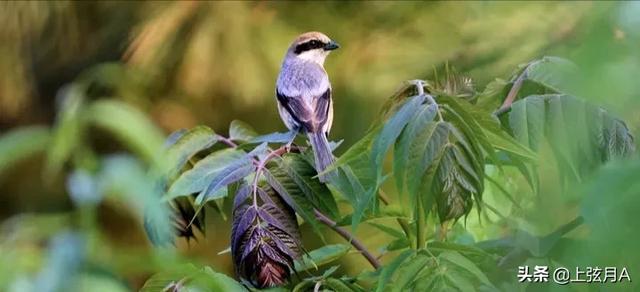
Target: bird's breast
304	79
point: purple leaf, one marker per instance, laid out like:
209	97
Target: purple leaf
234	172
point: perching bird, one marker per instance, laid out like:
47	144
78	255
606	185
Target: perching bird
304	93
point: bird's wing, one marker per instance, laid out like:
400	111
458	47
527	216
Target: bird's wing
311	117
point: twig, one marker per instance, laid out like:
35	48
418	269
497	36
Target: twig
349	237
401	221
227	141
511	96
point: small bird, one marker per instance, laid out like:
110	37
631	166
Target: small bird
303	93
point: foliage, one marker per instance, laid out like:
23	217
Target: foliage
441	147
442	140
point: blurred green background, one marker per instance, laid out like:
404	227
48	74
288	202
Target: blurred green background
190	63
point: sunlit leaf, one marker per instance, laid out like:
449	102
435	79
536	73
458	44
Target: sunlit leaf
68	131
21	143
392	129
233	172
196	179
241	131
131	126
190	143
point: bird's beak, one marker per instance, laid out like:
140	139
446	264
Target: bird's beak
331	46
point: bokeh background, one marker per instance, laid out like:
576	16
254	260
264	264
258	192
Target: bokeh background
190	63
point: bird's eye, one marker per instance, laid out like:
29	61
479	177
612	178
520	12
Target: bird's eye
314	43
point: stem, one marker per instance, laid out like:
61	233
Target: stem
511	96
349	237
227	141
404	224
420	225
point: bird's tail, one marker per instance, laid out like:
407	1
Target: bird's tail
322	154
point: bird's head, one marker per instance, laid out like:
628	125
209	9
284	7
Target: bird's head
312	46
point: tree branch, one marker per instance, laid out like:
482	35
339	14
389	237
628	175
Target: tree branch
349	237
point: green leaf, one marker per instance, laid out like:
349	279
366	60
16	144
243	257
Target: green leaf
449	271
21	143
410	270
392	129
336	285
196	179
425	149
321	256
233	172
552	72
527	120
301	172
401	149
357	151
190	278
464	263
125	178
617	141
131	126
241	131
389	270
284	185
388	230
458	112
68	131
189	143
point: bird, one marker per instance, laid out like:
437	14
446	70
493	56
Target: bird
304	94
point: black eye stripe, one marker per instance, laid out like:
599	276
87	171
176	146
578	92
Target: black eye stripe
309	45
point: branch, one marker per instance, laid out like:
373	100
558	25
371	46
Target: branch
227	141
349	237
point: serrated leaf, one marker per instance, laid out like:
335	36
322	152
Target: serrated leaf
301	172
527	120
425	148
280	181
241	131
616	139
392	129
321	256
196	179
189	143
401	149
459	113
389	270
234	172
409	271
21	143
